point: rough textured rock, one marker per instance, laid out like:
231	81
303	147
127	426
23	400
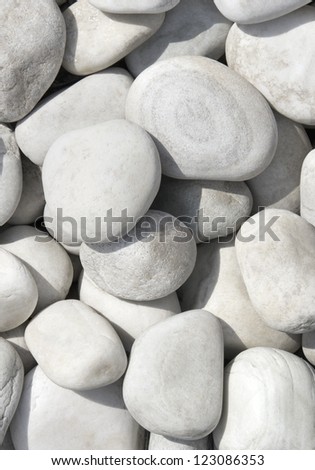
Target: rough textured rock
276	254
308	188
16	338
278	185
94	99
46	260
182	373
18	292
265	54
117	169
96	40
31	204
32	54
134	6
75	347
216	285
269	385
151	262
129	319
209	132
308	345
11	384
158	442
10	174
211	209
54	418
255	11
192	28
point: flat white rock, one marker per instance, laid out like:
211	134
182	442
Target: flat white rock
191	28
16	338
134	6
211	209
76	347
129	319
33	36
197	111
265	54
278	186
276	254
308	346
308	188
46	260
216	285
256	11
50	417
265	405
114	170
10	174
96	40
18	292
94	99
173	385
151	262
158	442
11	384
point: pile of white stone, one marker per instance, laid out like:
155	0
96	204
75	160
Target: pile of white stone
121	325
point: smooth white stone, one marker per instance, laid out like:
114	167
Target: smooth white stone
191	28
151	262
96	40
129	319
134	6
278	186
158	442
308	188
173	385
16	338
216	285
31	204
33	36
11	384
10	174
76	347
269	403
116	168
256	11
18	292
94	99
308	346
50	417
278	268
203	205
46	260
266	55
197	111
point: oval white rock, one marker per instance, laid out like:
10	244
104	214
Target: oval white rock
153	260
75	347
216	285
32	54
308	188
276	253
50	417
114	170
94	99
134	6
16	338
18	292
10	174
265	54
264	403
129	319
46	260
191	28
197	111
96	40
11	384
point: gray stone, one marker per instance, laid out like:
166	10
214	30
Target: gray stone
94	99
265	405
16	338
308	188
191	28
197	111
33	35
96	40
158	442
134	6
